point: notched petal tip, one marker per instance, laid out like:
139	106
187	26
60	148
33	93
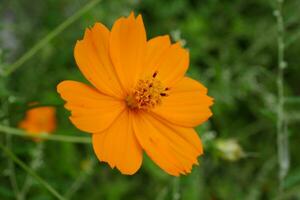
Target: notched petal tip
165	39
118	147
131	15
99	26
173	148
210	100
139	19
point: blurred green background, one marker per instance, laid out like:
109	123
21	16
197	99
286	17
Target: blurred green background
233	48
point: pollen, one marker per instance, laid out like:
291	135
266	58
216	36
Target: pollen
147	93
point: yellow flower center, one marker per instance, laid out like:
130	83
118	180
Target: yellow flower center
147	94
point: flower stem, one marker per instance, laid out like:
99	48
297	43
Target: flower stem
13	157
282	136
60	138
36	48
292	100
80	179
12	172
176	186
37	160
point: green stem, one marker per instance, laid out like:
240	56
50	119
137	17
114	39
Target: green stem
60	138
12	172
176	186
37	158
292	100
36	48
81	178
293	38
29	171
282	137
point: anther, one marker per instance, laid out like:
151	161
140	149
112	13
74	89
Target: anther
154	75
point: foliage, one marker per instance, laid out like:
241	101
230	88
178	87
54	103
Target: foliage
233	48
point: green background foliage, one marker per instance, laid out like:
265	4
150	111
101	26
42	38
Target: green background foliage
233	51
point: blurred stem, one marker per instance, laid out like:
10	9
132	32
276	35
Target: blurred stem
162	194
26	187
292	100
13	157
293	38
292	193
261	178
282	138
36	48
12	172
11	167
80	179
37	159
293	117
176	186
60	138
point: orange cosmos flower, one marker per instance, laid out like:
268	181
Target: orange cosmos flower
139	100
39	120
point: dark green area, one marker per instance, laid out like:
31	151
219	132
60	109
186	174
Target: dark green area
233	51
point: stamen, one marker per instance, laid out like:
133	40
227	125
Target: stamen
154	75
147	94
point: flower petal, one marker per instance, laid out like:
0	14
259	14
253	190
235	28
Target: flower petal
173	148
169	61
187	104
91	111
156	47
92	57
118	146
127	48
